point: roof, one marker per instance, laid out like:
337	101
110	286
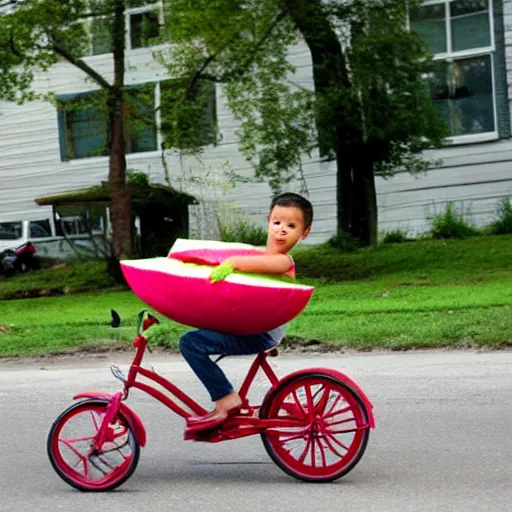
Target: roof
141	194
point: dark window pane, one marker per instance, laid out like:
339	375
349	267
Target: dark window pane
84	126
429	21
83	123
10	230
463	7
101	36
144	27
140	119
40	229
465	99
470	24
89	132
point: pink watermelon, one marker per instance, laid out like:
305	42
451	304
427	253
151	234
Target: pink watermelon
241	304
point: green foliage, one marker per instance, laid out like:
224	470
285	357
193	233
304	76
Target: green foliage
344	242
503	223
188	119
245	47
138	178
451	224
395	237
244	232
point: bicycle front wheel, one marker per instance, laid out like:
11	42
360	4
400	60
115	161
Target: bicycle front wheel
75	457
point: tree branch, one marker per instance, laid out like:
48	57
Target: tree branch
256	48
200	75
80	64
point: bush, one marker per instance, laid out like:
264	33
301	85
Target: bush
344	242
503	223
395	237
451	225
244	232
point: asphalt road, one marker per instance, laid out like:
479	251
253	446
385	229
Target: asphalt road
442	441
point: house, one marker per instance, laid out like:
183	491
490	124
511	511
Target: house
47	150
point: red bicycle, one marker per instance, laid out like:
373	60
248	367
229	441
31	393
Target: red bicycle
314	423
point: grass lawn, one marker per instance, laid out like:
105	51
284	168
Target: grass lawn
412	295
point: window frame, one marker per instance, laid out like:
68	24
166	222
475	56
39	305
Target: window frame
150	7
156	5
63	126
157	94
450	56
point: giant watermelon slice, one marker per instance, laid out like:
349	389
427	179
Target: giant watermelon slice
241	304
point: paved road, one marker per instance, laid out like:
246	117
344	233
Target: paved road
442	441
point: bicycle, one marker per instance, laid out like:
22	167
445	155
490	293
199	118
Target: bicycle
314	423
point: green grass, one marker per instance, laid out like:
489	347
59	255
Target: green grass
62	279
423	262
414	295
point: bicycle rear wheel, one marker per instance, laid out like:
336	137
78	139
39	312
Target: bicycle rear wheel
74	456
332	428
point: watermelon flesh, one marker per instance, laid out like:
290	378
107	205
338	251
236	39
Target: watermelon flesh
242	304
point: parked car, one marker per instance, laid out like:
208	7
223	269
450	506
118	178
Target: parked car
21	259
14	234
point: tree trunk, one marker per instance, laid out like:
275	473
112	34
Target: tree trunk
364	212
121	203
338	119
344	186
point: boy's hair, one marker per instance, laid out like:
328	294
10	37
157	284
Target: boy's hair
291	199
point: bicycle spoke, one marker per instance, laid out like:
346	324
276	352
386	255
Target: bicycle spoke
320	406
94	422
337	413
309	397
333	448
337	441
322	452
305	452
299	404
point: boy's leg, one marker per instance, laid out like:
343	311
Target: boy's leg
197	346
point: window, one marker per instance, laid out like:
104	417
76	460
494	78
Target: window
80	220
39	229
10	230
144	28
459	34
82	120
142	20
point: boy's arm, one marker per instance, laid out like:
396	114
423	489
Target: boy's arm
264	264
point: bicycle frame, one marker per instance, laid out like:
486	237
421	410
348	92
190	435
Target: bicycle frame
246	423
135	370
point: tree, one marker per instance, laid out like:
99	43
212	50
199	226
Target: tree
369	111
35	35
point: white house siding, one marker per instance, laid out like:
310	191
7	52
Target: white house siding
474	176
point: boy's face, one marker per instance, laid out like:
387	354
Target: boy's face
285	228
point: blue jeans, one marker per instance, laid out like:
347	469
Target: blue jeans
197	346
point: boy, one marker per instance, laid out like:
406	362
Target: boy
289	221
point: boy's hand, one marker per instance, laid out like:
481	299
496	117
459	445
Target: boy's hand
221	272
